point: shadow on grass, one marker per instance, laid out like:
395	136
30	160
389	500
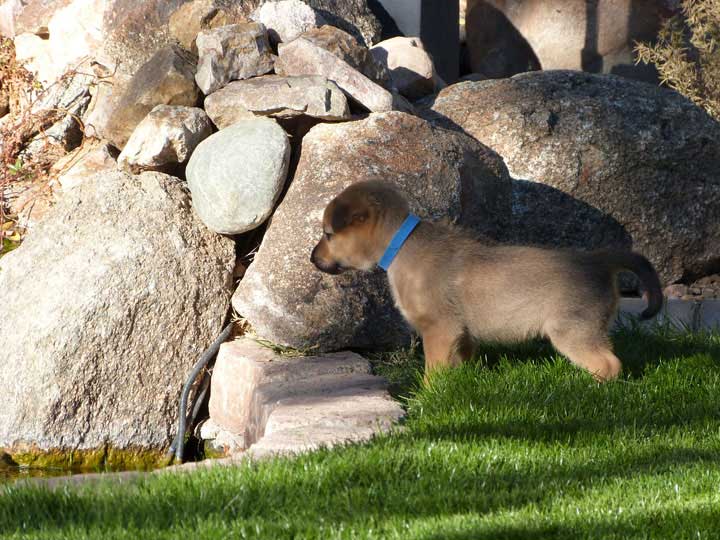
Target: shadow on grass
528	391
654	524
638	348
406	484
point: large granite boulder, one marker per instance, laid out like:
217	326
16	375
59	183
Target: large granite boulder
601	161
237	174
106	306
446	174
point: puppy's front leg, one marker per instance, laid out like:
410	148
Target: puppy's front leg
445	346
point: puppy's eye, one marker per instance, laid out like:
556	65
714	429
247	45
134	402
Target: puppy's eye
328	235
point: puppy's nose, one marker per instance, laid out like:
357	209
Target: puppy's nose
312	256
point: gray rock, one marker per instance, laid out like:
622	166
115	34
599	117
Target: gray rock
165	138
237	174
273	404
279	97
287	19
125	288
605	161
228	53
287	300
166	79
410	66
71	95
347	48
118	34
303	57
88	160
197	15
353	16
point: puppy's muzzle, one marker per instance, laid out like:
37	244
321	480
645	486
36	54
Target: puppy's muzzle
329	267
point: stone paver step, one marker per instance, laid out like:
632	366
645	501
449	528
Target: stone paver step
269	403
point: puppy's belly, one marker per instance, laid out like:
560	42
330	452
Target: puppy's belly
485	321
504	328
489	316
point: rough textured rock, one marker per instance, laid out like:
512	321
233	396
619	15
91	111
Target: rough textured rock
88	160
410	66
287	19
12	19
115	21
70	95
276	404
353	16
34	54
119	37
193	17
165	138
4	100
347	48
126	288
279	97
303	57
505	37
28	200
604	161
166	79
61	34
119	34
228	53
237	174
446	174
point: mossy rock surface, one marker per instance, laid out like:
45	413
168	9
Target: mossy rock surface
84	460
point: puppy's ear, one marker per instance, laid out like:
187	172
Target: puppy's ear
344	216
340	217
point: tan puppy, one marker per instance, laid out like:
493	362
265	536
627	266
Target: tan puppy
455	290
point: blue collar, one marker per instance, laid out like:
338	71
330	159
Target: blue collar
398	240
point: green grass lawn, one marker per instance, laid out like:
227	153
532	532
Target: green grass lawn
516	445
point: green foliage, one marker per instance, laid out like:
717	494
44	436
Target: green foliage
686	53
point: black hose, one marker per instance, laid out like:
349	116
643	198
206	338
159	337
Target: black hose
199	400
178	444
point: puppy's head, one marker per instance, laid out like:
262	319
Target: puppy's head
357	226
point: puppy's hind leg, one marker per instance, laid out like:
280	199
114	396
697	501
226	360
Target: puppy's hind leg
589	350
445	345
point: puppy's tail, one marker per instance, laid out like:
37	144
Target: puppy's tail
641	267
